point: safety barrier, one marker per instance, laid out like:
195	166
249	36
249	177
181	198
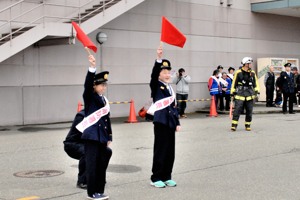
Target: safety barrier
193	100
132	114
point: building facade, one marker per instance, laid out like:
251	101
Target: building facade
43	83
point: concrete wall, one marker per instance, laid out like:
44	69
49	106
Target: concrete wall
43	85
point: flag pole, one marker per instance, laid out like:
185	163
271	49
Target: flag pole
88	51
161	44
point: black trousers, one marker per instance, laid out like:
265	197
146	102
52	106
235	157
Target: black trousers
97	158
164	153
181	105
76	151
239	107
269	95
288	97
82	171
227	99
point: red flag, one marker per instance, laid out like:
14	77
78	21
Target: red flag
170	34
83	38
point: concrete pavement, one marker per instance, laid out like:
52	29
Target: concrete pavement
212	163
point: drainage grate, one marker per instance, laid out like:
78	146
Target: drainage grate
38	173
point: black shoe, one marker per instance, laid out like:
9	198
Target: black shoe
82	186
284	112
292	112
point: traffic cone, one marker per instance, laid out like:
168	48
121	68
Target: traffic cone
213	110
132	115
79	106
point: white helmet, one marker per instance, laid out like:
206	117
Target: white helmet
247	60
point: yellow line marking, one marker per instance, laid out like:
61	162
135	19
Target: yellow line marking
29	198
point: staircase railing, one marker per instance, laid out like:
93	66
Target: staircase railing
42	5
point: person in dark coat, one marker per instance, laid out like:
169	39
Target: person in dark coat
96	131
74	147
278	99
287	86
269	82
166	122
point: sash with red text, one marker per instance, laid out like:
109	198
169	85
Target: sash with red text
161	104
94	117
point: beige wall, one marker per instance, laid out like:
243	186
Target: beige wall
43	85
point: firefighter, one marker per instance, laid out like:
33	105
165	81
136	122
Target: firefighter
245	89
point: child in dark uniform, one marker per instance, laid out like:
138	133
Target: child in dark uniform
96	131
166	122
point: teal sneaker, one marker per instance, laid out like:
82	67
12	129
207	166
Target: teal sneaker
158	184
170	183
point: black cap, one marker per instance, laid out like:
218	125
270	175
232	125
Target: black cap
230	68
101	77
165	64
288	65
295	69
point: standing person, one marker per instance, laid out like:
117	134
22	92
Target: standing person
230	73
96	131
214	86
220	69
269	82
166	122
288	88
278	99
244	89
225	82
297	85
296	80
182	90
74	147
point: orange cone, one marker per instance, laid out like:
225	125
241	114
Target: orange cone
132	115
213	110
79	106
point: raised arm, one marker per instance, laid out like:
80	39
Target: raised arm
156	71
89	80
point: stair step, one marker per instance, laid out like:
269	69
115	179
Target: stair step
23	29
14	34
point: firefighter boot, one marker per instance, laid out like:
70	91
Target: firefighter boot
247	127
233	127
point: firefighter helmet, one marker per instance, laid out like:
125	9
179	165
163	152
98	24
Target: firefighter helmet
247	60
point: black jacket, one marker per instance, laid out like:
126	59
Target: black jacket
169	115
73	144
287	83
101	131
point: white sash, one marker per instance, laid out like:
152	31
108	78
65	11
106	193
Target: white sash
94	117
161	104
216	79
230	76
224	82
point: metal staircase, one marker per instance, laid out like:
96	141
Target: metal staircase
45	29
